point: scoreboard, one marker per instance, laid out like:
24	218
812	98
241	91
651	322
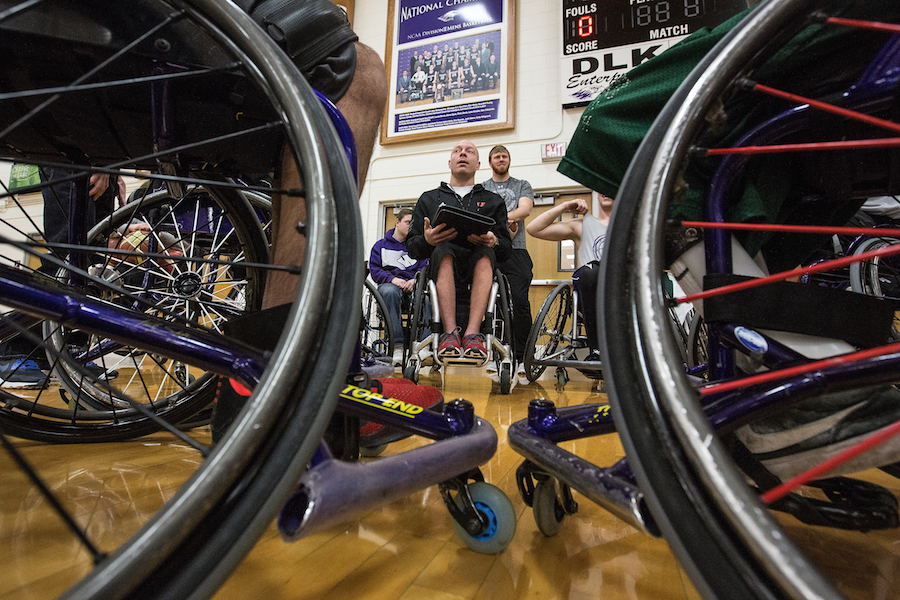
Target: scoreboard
603	39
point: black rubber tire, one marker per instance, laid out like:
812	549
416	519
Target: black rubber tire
190	546
505	378
729	545
551	322
504	305
548	512
696	350
418	323
377	337
878	277
411	370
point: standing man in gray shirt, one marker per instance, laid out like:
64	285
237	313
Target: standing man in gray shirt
519	200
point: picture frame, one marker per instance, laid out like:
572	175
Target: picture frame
476	38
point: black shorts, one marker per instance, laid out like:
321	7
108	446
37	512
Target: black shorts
316	35
464	260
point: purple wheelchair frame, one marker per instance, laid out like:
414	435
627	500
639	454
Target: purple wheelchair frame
614	488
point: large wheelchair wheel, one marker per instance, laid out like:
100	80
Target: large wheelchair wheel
216	225
549	335
696	349
501	328
879	276
727	540
417	326
377	337
183	89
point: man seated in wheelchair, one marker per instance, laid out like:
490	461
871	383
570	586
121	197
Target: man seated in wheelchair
392	268
589	235
822	61
317	36
458	260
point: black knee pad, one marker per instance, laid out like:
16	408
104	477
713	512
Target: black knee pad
316	35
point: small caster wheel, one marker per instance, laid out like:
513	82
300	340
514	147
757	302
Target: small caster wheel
493	504
562	378
548	512
505	378
411	370
371	451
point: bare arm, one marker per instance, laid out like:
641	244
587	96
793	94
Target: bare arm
521	211
546	226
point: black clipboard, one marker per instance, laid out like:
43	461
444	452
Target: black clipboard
465	222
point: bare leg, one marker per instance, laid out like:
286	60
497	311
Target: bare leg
362	106
482	279
446	292
288	246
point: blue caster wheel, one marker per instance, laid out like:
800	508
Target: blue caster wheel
496	506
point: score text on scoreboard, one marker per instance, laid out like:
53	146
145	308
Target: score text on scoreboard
579	30
603	39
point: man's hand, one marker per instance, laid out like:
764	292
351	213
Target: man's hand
577	207
404	284
438	235
97	185
486	239
121	192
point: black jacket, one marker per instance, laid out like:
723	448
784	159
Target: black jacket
478	200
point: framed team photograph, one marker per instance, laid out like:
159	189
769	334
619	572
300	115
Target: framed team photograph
451	68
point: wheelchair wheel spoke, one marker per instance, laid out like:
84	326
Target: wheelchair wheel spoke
787	148
51	498
861	24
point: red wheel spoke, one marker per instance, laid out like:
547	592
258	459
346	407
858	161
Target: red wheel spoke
827	265
875	25
817	472
829	230
829	108
844	145
816	365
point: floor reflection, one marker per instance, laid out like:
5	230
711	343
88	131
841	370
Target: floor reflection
407	550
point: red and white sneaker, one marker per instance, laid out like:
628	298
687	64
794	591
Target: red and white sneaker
475	346
450	345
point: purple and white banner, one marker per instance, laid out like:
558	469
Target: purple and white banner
450	68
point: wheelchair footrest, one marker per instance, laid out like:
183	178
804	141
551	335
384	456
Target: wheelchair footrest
334	491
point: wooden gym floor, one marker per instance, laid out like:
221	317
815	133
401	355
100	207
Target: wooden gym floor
407	550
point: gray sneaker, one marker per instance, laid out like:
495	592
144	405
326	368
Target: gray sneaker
816	429
22	373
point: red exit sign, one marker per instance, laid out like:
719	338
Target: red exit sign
553	151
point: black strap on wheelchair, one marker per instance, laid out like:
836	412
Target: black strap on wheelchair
801	308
